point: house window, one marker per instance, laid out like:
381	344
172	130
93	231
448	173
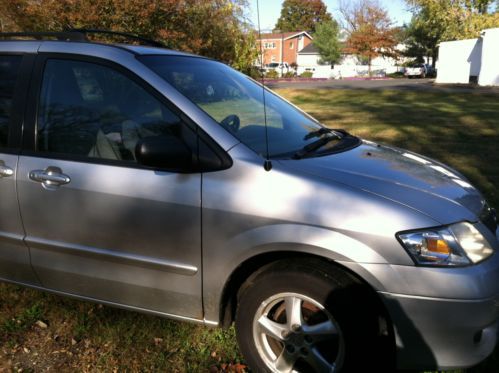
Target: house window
269	45
291	46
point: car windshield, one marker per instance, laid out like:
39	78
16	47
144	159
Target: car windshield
237	103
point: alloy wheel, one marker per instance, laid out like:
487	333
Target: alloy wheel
294	333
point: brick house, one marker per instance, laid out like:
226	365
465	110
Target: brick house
283	47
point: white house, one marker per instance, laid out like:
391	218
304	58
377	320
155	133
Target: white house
350	66
472	60
308	60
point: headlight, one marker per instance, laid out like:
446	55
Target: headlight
456	245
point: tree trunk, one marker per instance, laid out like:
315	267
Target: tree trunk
434	56
369	68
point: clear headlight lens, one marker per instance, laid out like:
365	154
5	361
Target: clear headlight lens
457	245
472	241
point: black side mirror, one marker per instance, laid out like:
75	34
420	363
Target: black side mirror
165	152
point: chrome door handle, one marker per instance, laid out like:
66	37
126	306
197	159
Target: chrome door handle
5	171
50	177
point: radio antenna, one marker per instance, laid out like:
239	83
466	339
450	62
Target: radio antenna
267	165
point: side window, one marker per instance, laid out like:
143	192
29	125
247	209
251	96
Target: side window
9	67
92	110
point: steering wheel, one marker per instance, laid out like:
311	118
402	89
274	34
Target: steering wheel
232	122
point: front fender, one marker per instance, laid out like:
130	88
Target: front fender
324	242
284	238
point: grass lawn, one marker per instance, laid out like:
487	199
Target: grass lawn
461	130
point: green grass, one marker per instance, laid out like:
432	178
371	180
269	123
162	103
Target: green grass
22	321
96	338
459	129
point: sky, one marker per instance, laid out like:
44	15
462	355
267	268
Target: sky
270	11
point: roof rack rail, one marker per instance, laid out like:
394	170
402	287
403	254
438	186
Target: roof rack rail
65	35
77	35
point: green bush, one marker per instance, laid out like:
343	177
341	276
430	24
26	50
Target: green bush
396	75
272	74
412	62
289	74
306	74
254	72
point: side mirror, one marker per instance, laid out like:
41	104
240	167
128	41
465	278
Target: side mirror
165	152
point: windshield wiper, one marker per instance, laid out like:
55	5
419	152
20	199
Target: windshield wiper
322	131
317	144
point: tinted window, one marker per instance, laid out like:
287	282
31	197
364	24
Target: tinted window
92	110
9	67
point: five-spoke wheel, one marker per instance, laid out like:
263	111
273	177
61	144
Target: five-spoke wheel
292	331
310	316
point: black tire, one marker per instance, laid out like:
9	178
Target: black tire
355	309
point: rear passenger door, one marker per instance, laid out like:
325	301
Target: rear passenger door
98	224
14	255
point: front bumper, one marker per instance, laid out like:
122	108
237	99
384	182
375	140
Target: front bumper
443	318
442	333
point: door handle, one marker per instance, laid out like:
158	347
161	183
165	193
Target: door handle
5	171
50	177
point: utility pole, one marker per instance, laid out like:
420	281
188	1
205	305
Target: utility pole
282	54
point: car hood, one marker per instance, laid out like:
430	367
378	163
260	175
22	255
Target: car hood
401	176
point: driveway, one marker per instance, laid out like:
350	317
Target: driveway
401	84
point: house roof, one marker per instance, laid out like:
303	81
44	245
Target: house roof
285	35
309	49
312	49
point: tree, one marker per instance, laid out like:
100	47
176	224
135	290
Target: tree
444	20
482	6
422	42
298	15
213	28
326	41
370	30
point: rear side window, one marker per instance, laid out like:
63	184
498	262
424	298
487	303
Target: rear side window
91	110
9	68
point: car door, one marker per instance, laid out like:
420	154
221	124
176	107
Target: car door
14	254
98	224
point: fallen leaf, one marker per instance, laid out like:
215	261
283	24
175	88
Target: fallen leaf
240	368
41	324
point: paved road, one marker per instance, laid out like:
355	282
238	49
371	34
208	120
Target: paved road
401	84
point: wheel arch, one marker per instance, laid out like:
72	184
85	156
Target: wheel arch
251	250
258	263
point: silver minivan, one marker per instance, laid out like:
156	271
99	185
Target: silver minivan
168	183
